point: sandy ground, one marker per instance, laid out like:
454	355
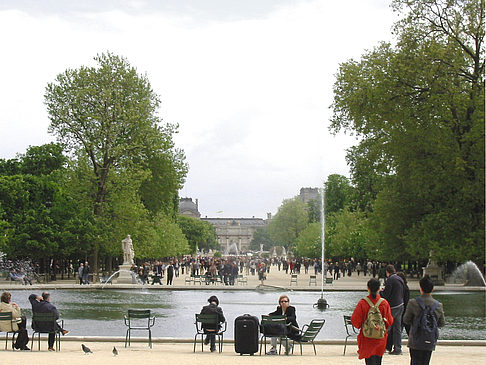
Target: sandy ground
139	353
274	278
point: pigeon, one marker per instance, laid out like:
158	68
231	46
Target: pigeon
86	349
115	351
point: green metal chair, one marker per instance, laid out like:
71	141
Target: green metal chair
313	280
211	320
6	317
351	331
138	320
46	323
293	279
308	334
268	322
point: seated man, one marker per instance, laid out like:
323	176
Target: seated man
212	308
42	304
18	321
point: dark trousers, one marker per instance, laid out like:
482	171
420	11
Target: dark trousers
22	336
420	357
211	339
169	279
373	360
396	329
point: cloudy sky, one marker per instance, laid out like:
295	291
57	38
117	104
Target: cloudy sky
248	81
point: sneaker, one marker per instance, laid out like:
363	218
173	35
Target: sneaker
272	352
395	352
25	348
65	332
51	349
213	349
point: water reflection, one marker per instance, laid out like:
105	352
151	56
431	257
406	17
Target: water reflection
100	312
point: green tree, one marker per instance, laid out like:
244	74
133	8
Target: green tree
309	241
200	234
418	109
339	193
261	236
289	221
108	114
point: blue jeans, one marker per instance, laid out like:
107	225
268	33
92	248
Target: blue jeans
86	278
396	329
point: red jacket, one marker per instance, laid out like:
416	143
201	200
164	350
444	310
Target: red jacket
368	347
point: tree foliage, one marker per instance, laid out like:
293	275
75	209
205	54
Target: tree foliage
126	162
199	234
418	109
287	224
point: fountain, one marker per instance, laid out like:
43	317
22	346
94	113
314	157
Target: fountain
321	302
135	278
232	249
469	274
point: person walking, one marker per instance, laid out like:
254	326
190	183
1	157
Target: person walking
86	273
371	349
421	352
393	293
80	273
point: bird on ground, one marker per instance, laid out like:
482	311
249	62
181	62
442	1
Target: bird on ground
115	351
86	349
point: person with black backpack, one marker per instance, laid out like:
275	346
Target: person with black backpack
425	315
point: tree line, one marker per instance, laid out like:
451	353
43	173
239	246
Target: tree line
114	171
417	107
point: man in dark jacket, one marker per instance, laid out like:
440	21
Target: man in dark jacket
393	293
420	356
42	304
212	308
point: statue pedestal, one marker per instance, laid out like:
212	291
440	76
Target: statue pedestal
435	272
125	275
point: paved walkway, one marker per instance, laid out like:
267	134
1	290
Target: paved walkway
139	353
275	278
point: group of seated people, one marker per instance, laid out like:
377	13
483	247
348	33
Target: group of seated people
20	275
284	308
40	304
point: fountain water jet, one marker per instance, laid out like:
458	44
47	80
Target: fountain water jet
470	274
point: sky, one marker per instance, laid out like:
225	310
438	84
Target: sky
248	81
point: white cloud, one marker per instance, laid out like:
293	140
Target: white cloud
251	95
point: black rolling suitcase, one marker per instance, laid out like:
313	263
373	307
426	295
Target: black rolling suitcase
246	334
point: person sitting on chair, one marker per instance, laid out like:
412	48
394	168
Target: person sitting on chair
18	321
42	304
287	310
212	308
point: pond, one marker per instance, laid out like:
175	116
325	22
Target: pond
100	312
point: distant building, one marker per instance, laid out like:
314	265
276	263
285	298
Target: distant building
237	232
188	208
307	194
230	232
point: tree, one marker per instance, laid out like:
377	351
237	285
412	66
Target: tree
261	236
200	234
339	193
418	108
287	224
309	241
109	114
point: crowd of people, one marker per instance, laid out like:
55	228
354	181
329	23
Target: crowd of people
390	309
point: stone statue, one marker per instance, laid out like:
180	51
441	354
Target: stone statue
128	253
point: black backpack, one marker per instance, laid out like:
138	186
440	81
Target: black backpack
425	330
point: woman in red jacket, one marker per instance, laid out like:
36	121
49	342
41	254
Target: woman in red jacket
371	349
